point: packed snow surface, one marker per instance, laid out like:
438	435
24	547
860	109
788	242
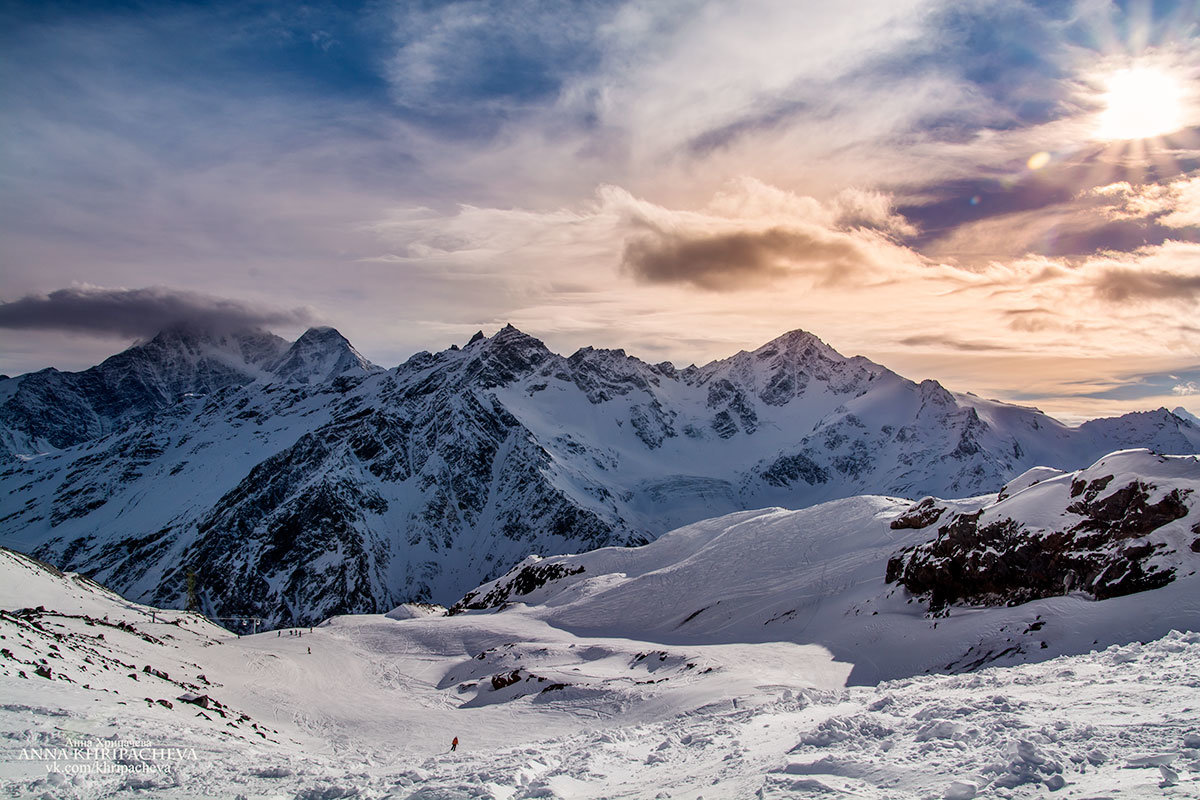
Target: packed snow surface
756	655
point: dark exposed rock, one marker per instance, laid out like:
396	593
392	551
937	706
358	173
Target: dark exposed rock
1005	563
202	700
723	425
527	579
1127	512
1093	488
788	469
723	394
920	515
505	679
651	424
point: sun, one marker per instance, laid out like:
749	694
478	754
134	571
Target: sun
1141	103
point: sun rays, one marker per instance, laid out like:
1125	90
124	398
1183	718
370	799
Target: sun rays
1141	102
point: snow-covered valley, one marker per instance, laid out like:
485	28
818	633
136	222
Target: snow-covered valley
762	654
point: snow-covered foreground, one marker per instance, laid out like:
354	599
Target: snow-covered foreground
763	653
371	710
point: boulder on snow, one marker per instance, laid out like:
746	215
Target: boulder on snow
961	790
201	700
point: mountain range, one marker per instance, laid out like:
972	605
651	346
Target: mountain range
294	481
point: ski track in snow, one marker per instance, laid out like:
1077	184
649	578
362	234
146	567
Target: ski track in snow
363	717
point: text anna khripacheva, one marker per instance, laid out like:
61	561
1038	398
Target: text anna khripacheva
108	757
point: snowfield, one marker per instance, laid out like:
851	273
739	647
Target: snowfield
760	654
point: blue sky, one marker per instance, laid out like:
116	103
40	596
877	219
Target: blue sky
926	183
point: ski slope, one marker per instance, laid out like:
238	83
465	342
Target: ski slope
761	654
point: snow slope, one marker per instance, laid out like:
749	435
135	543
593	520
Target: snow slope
299	481
365	707
821	575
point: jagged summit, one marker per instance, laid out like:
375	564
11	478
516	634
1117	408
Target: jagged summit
510	335
797	340
504	357
319	355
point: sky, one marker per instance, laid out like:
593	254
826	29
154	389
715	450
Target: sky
1000	195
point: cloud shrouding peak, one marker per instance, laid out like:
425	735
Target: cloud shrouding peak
139	312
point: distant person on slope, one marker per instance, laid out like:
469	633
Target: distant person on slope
454	744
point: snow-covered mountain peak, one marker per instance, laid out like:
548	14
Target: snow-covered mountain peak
510	336
186	343
798	345
602	374
418	484
319	355
504	357
934	392
1160	430
1184	414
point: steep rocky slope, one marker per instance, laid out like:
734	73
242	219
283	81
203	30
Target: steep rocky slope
1105	531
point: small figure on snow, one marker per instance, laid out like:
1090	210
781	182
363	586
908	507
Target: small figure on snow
310	651
454	744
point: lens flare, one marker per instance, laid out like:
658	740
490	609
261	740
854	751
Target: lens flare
1141	103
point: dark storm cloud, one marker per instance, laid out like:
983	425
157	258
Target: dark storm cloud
741	259
138	312
1119	284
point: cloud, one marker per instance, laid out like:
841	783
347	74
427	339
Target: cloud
740	259
1174	205
1071	208
1119	284
139	312
748	235
952	343
1186	389
752	234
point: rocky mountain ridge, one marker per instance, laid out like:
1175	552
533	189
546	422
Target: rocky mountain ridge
298	481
